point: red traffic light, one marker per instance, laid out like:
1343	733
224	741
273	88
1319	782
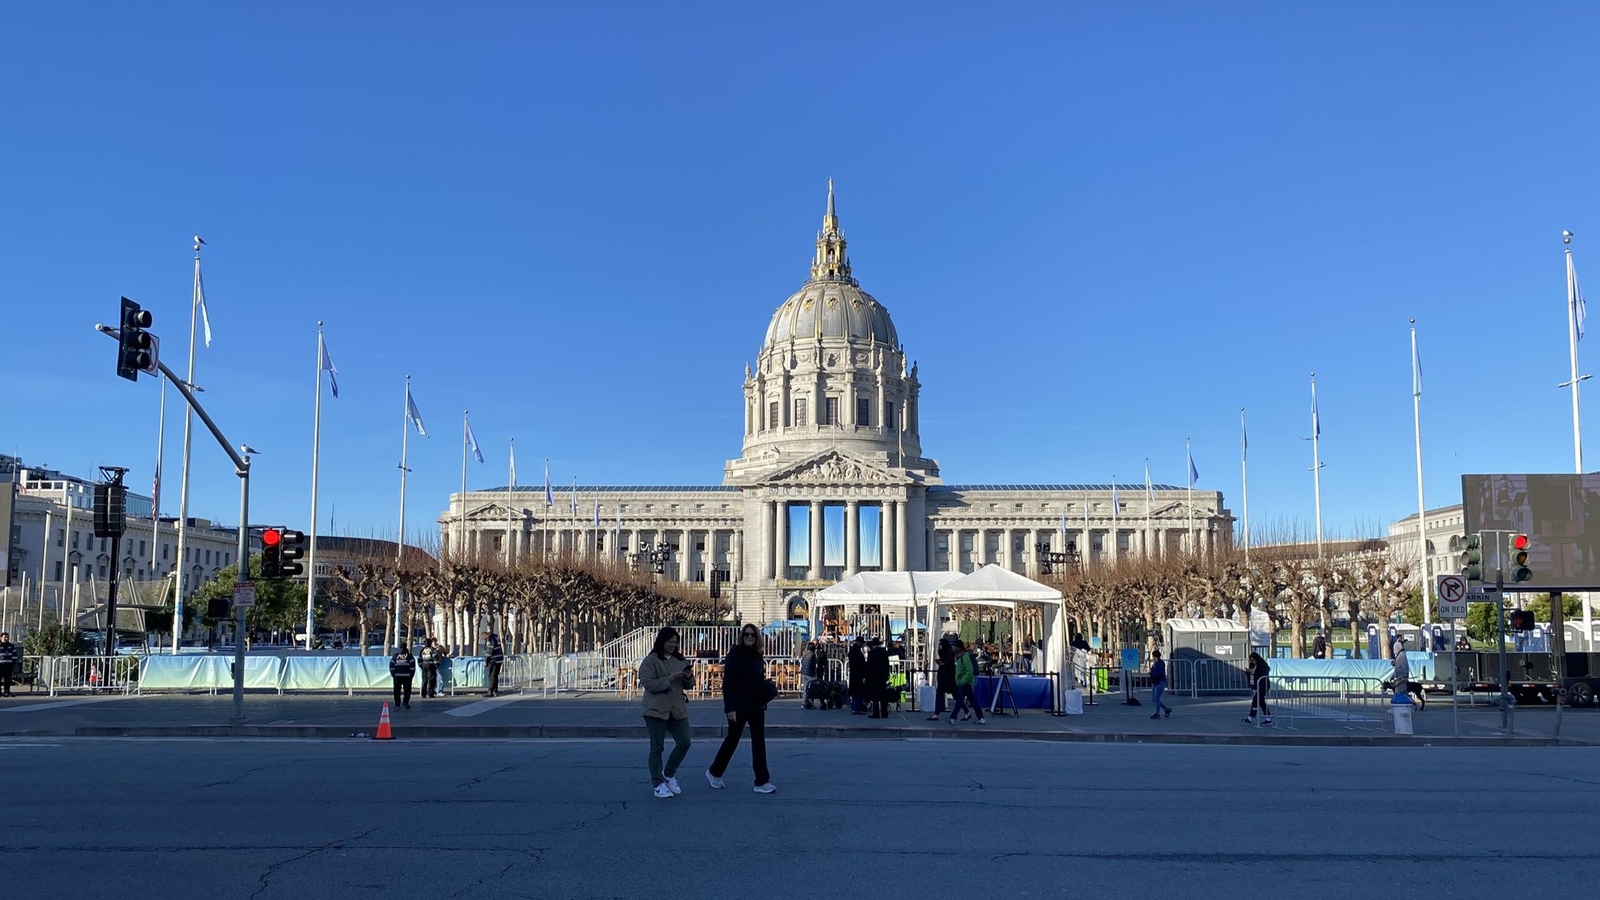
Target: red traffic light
272	537
1520	542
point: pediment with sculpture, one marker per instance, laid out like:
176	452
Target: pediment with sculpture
834	467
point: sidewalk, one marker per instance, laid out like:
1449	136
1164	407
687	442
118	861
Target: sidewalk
604	715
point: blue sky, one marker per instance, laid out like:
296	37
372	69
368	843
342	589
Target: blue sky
1099	231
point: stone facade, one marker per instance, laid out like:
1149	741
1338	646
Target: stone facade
832	479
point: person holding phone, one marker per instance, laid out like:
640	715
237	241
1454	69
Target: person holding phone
665	675
745	695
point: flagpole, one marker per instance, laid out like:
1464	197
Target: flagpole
1316	460
1422	509
1244	481
1574	335
1115	528
511	491
316	464
1188	457
182	581
155	514
461	521
1149	501
400	548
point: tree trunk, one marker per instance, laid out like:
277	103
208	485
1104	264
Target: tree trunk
1297	634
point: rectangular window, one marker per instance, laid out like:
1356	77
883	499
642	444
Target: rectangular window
141	548
830	412
863	411
871	536
800	535
833	535
772	416
58	570
208	556
889	421
164	549
74	540
800	413
61	537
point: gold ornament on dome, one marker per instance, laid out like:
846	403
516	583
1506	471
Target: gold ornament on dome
807	304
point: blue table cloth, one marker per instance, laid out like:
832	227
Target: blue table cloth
1031	692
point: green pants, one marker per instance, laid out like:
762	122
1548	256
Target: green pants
658	741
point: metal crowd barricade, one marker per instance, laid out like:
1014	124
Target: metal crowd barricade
1218	676
60	674
1326	698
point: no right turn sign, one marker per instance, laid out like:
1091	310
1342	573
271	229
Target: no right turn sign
1452	593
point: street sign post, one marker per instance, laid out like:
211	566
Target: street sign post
1452	593
244	595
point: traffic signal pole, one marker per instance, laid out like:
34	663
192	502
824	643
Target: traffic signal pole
241	467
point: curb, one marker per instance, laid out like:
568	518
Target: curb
636	732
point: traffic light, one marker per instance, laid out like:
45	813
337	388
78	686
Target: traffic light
1519	558
271	553
1472	558
136	348
294	548
1521	620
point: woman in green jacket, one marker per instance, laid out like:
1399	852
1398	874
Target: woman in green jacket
965	677
665	675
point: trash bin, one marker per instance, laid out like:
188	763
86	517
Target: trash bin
1400	706
1072	700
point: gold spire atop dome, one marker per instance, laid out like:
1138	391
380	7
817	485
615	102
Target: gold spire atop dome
831	263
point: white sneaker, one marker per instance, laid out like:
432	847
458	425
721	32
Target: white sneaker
663	792
765	788
713	780
672	785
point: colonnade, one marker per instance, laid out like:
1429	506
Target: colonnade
894	539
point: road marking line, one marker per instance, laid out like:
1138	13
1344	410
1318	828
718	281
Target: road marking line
59	704
482	706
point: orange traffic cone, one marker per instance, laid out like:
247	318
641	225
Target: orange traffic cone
384	734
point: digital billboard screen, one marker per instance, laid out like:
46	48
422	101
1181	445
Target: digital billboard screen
1561	513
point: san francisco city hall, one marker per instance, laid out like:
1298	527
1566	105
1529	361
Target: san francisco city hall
832	479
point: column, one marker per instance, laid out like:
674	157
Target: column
980	549
954	560
1086	546
852	537
1008	549
768	541
780	545
686	555
814	570
902	535
886	540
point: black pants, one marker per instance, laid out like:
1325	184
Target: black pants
5	678
939	692
402	686
758	745
493	668
1259	698
880	701
430	681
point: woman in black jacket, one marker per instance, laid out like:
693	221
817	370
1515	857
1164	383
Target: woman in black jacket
745	694
944	681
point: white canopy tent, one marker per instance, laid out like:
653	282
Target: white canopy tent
910	591
996	586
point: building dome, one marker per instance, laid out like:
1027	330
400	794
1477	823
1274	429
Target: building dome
831	310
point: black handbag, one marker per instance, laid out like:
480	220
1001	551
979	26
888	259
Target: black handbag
769	691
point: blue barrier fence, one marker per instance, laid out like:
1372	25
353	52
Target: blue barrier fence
301	673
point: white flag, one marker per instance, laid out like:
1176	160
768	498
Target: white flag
1575	297
200	298
597	512
513	464
574	498
412	414
327	363
472	441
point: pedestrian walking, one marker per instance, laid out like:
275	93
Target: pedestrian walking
858	675
1158	684
665	675
878	678
966	677
1400	676
746	691
944	677
493	658
429	658
1259	675
1319	648
402	668
9	657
